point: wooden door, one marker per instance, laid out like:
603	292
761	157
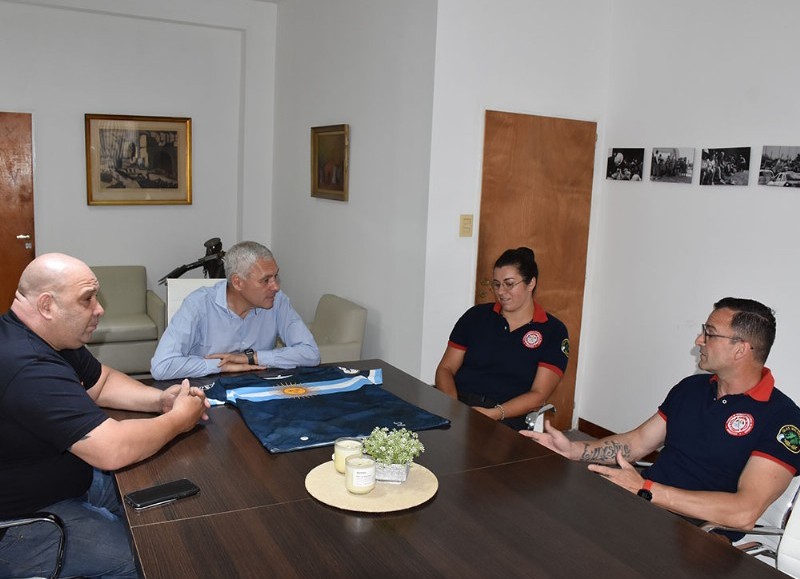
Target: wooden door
536	192
16	201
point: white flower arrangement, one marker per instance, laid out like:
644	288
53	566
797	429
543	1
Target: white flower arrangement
396	446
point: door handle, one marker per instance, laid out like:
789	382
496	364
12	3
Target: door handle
23	236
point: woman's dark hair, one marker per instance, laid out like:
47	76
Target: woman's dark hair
523	259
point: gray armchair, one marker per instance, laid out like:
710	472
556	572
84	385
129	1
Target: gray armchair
134	319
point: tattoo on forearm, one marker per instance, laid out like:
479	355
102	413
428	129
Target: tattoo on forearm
607	453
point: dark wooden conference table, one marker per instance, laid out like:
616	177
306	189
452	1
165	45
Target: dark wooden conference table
505	507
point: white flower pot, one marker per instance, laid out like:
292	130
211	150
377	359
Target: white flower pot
392	472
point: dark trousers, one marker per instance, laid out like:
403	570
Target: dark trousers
517	422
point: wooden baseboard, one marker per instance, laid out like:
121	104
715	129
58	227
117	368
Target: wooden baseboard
596	431
593	429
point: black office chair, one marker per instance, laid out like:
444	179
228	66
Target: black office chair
47	518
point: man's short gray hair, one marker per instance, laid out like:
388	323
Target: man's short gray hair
242	256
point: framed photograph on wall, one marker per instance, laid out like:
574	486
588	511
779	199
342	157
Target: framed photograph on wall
137	160
726	166
330	161
780	166
672	164
625	164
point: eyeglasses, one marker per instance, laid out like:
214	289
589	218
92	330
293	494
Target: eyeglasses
707	335
506	284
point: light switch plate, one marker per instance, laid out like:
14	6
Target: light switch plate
465	226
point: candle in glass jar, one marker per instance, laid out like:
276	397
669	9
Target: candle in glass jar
342	448
359	477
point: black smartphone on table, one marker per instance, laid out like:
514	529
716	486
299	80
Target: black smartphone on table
161	494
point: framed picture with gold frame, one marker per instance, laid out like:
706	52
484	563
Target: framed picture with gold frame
330	161
138	160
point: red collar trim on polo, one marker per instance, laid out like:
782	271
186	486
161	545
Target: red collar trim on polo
539	315
761	391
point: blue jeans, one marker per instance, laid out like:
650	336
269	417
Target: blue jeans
97	545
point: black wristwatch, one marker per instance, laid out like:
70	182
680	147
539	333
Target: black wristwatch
250	353
645	491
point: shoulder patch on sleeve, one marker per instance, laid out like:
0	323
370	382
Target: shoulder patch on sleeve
789	436
565	347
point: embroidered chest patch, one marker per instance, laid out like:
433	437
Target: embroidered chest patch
739	424
789	436
532	339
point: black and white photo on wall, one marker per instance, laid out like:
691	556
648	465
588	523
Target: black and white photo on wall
780	166
726	166
672	164
625	164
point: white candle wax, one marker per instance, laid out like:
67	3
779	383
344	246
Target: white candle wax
342	448
359	477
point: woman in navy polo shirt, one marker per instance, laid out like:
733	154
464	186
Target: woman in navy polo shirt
505	358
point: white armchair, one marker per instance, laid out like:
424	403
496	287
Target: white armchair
179	288
776	537
535	419
338	329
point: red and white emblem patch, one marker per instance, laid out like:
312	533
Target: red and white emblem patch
532	339
739	424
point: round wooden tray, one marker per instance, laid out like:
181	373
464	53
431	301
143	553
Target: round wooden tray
327	486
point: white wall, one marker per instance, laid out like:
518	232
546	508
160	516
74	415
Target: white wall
413	80
687	74
209	60
694	74
370	65
536	57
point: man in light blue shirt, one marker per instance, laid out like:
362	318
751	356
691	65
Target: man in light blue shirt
232	326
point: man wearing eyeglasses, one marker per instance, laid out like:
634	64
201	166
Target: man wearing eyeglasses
731	440
233	326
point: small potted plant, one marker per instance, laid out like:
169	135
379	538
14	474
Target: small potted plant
393	450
